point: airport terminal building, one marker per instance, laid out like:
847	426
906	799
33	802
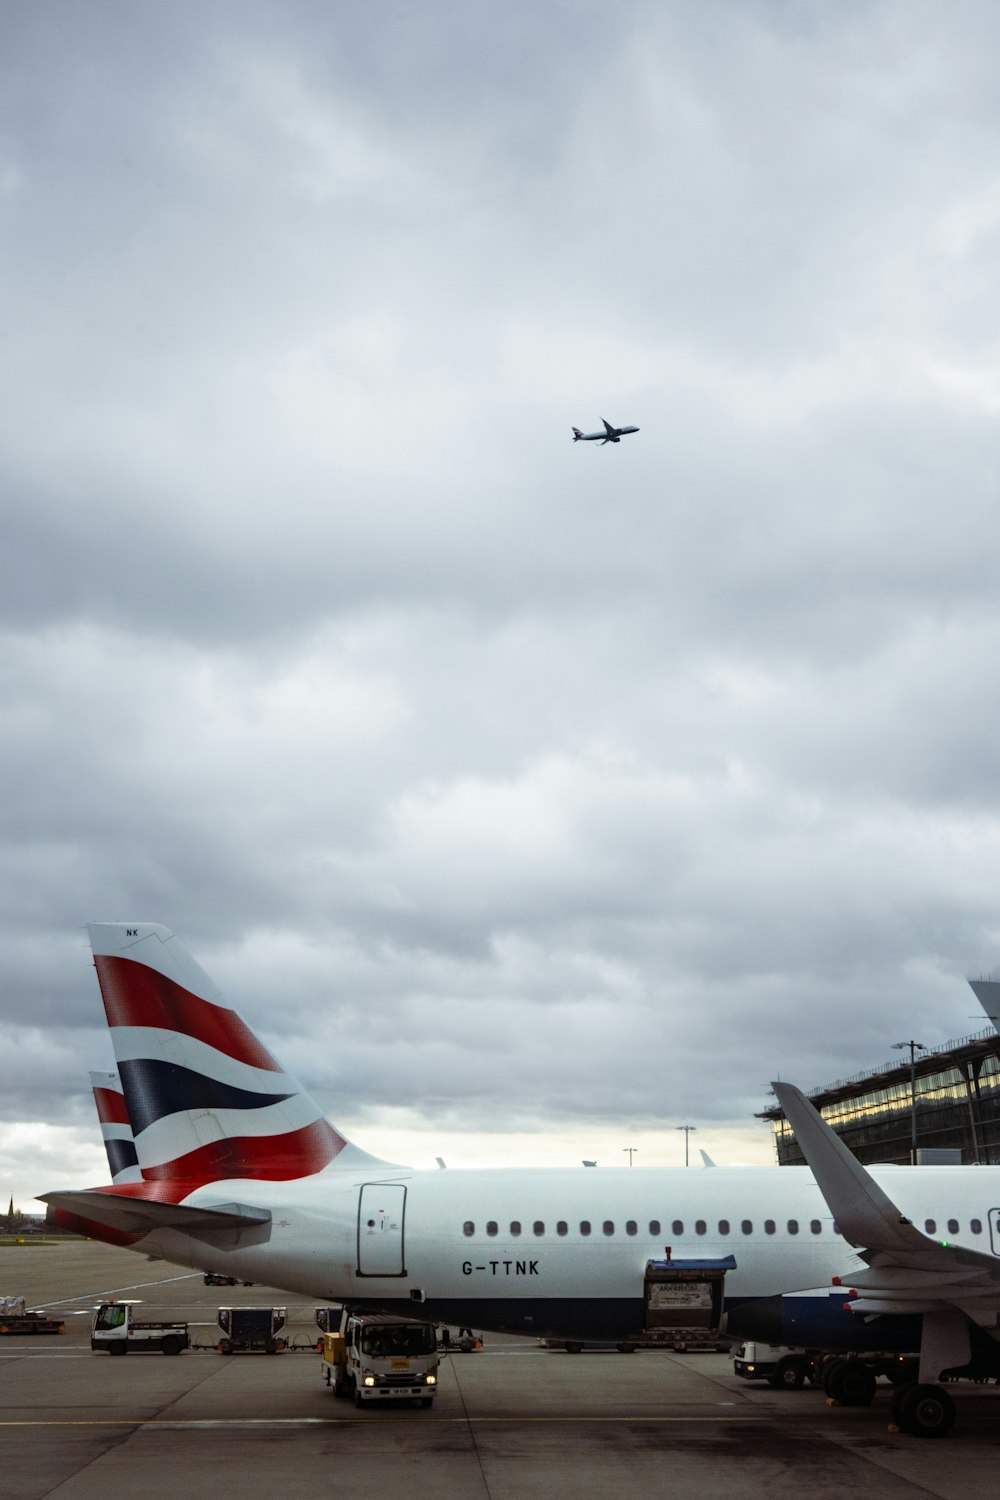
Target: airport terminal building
953	1105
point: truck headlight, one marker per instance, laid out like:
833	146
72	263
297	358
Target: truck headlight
431	1379
369	1380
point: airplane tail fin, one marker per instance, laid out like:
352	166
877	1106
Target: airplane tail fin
115	1127
577	434
205	1099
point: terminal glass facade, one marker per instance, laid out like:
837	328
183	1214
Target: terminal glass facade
957	1107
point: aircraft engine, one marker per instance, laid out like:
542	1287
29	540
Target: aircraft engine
822	1319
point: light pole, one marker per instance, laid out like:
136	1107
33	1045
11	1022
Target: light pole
914	1047
687	1129
632	1151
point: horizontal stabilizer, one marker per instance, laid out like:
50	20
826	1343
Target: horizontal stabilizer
142	1215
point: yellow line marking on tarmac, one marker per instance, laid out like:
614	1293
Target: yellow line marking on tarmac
179	1422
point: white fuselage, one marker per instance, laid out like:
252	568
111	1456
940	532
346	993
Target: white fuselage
561	1251
605	437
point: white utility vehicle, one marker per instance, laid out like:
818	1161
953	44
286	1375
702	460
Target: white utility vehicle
116	1328
378	1357
778	1365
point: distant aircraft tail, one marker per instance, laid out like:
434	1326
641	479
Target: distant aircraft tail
577	434
205	1099
115	1127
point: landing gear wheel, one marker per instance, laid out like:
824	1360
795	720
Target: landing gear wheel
851	1383
790	1374
898	1392
826	1370
924	1410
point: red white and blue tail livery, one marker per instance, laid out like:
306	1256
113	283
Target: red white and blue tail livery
116	1128
205	1098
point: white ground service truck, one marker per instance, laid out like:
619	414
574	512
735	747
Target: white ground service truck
784	1368
378	1357
116	1328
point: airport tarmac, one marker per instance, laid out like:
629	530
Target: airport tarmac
510	1422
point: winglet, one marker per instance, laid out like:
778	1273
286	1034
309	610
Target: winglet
865	1214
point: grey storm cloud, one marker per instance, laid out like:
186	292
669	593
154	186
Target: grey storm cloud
499	782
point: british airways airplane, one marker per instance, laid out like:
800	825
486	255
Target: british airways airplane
241	1173
609	435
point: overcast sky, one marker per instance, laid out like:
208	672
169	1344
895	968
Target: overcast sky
530	798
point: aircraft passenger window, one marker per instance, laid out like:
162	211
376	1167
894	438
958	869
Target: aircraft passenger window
562	1227
815	1226
515	1226
631	1227
976	1226
677	1227
584	1226
952	1226
608	1226
538	1227
793	1226
491	1227
699	1226
931	1226
747	1226
468	1229
723	1226
654	1227
768	1226
836	1227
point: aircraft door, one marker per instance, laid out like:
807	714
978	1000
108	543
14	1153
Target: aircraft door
381	1211
995	1230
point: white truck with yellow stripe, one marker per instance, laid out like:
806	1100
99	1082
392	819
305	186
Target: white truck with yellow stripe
379	1357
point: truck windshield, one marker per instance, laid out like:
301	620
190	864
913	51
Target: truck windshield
110	1317
399	1339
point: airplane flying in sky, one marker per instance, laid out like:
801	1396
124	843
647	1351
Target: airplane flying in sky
609	435
241	1172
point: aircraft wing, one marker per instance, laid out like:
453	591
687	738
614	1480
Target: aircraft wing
611	431
907	1270
142	1215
